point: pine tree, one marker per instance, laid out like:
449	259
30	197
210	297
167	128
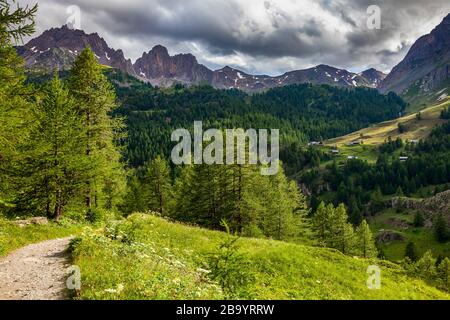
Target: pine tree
399	192
183	195
95	101
443	271
441	229
14	108
251	204
54	168
342	233
198	198
157	185
419	220
365	243
286	210
321	222
426	266
411	251
134	200
356	216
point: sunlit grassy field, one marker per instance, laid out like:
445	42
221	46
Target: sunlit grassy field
147	257
379	133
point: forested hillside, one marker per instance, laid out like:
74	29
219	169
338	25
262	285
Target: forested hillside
301	112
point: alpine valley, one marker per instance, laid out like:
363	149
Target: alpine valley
86	142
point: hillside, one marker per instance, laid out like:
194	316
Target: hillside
301	112
377	134
422	77
146	257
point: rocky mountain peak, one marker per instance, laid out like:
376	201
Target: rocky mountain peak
373	76
159	68
57	48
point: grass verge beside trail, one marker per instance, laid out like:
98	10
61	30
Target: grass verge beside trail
147	257
13	237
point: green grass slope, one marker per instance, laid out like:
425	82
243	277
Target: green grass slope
13	237
147	257
402	224
377	134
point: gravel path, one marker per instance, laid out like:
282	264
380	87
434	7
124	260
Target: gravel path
36	272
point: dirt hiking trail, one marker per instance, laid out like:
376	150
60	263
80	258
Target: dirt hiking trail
35	272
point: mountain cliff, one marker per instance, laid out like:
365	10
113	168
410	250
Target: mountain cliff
57	48
426	67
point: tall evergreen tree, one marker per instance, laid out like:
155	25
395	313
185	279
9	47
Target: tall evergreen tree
157	186
14	107
441	229
443	271
134	200
365	243
54	167
411	251
321	223
252	204
95	101
286	210
342	233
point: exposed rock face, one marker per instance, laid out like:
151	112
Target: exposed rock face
439	204
323	74
159	68
426	67
388	236
373	76
57	48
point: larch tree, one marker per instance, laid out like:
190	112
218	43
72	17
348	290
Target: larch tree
157	186
286	208
443	271
365	243
14	107
54	168
95	100
134	200
342	233
321	223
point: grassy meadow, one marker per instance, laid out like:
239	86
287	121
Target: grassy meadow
148	257
379	133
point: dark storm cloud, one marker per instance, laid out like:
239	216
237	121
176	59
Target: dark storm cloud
269	36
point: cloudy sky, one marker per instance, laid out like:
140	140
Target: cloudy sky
257	36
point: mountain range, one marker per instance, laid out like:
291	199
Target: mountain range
58	48
425	69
